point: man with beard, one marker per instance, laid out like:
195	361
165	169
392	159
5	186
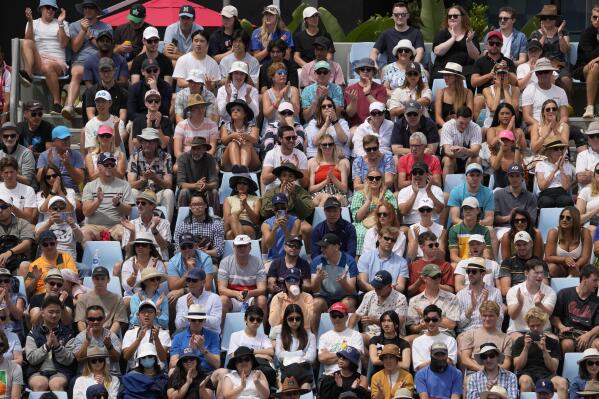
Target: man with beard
197	172
34	132
439	379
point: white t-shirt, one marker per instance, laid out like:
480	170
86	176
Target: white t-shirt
372	236
535	96
384	135
92	126
46	38
335	341
221	100
240	338
65	238
253	66
131	336
22	196
208	67
586	160
275	157
489	279
549	299
312	131
586	194
547	167
435	228
414	216
421	348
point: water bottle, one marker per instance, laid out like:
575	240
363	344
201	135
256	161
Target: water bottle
96	259
244	307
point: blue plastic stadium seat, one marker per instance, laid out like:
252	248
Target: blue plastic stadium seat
362	50
548	219
110	252
37	395
439	84
224	191
256	251
22	286
533	395
453	180
233	322
319	215
559	284
114	285
570	366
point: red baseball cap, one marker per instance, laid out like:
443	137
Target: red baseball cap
495	34
338	307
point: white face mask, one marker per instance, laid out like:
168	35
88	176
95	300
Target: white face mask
294	290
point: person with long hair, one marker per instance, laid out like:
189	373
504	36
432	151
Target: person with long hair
550	126
281	91
414	88
391	331
187	379
387	382
52	184
346	378
149	284
504	153
554	175
386	216
105	143
221	40
505	117
327	122
272	29
426	224
375	124
295	347
146	380
304	39
242	208
568	246
13	350
520	220
145	254
199	223
365	202
240	136
588	370
587	203
239	52
195	125
96	371
237	85
373	158
13	384
329	173
449	99
455	42
500	92
244	379
394	74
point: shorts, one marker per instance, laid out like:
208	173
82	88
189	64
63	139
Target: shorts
535	375
237	305
49	377
61	63
459	162
330	301
96	229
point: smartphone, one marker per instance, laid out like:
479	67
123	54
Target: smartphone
175	42
281	214
536	337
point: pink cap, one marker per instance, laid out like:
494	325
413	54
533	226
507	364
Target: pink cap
507	134
105	129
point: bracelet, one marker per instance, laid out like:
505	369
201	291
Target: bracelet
366	94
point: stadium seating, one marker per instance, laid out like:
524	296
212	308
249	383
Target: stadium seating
233	322
358	51
256	250
453	180
533	395
319	215
548	219
225	191
37	395
570	366
559	284
109	252
114	285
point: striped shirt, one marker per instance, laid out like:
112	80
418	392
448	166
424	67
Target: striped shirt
450	134
477	383
241	278
464	299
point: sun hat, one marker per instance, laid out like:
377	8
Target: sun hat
148	195
590	353
452	68
148	273
543	64
253	187
496	390
145	237
404	43
196	312
351	354
289	167
240	103
94	352
242	351
290	386
488	347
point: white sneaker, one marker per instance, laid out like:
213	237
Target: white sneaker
589	112
68	112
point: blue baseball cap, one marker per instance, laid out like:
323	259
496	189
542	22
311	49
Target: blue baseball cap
197	273
279	198
47	235
187	11
51	3
95	390
61	132
351	354
544	386
293	276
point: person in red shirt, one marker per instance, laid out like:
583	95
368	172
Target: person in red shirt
418	147
359	95
430	249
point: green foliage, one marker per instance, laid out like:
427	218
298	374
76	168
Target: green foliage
432	13
531	25
479	22
414	9
247	26
369	30
296	18
332	25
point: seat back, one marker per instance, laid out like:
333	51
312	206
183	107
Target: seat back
37	395
319	215
571	366
255	251
559	283
22	286
453	180
358	51
573	53
548	219
233	322
110	252
224	191
114	285
439	84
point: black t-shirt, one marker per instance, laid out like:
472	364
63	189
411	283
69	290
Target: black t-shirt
135	36
38	299
389	39
193	392
514	267
304	44
265	81
165	64
278	269
219	42
381	341
141	123
37	138
535	365
401	131
485	64
457	53
588	48
118	94
574	312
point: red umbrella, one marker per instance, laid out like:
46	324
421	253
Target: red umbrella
165	12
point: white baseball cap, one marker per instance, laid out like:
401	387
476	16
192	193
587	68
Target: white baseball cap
146	349
196	75
425	202
308	12
229	12
285	106
476	238
522	236
104	95
376	106
151	32
242	239
55	199
472	202
6	198
239	66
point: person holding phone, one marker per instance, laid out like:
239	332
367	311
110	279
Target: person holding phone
178	36
278	228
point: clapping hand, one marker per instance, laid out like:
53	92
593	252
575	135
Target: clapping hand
28	14
62	16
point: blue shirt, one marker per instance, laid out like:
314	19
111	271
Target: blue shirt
343	229
177	267
256	42
309	93
87	48
484	197
519	44
370	263
278	248
329	287
211	342
173	31
76	161
360	166
161	319
91	70
439	385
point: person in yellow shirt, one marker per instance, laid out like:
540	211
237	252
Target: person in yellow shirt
51	258
387	382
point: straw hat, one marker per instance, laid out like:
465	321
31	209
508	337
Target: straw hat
452	68
148	273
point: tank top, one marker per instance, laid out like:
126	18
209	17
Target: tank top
574	254
490	113
250	391
501	180
323	170
235	204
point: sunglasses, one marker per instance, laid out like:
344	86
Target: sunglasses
109	165
418	173
550	109
431	319
495	44
49	244
437	277
433	245
54	284
58	208
404	51
593	136
153	101
286	113
141	203
520	220
105	136
142	245
325	106
9	136
191	280
281	72
253	319
327	145
592	363
48	177
412	74
336	315
36	114
296	319
371	149
188	360
245	359
567	218
4	206
195	321
389	239
547	17
543	72
152	70
153	279
293	245
425	210
365	69
186	246
471	271
290	138
322	72
376	113
152	41
374	178
400	14
484	356
453	16
503	19
5	281
382	214
412	114
95	319
96	361
3	318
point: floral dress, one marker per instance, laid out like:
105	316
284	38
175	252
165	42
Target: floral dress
357	201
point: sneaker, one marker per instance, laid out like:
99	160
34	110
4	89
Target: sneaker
68	112
25	78
589	112
55	109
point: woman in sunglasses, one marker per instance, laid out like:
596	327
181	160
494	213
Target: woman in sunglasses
244	380
329	173
366	201
554	175
237	86
568	246
280	91
295	346
386	216
521	221
13	388
506	118
51	184
376	124
394	75
503	154
146	380
414	88
425	208
373	158
105	143
550	126
145	255
588	370
241	209
455	42
96	371
449	99
587	203
149	282
326	122
54	286
240	136
187	379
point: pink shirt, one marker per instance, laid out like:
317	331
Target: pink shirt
407	161
185	129
378	91
307	75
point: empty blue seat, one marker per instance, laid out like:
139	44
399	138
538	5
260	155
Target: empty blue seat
533	395
548	219
559	283
110	252
453	180
37	395
233	322
114	285
571	366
